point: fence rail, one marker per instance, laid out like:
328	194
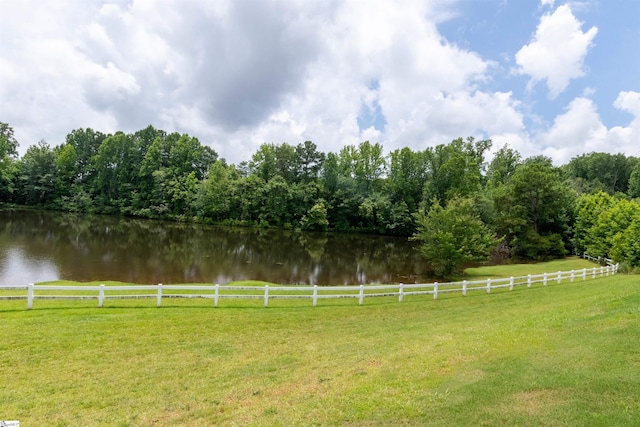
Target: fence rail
314	293
599	260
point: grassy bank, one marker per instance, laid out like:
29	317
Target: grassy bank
500	271
563	354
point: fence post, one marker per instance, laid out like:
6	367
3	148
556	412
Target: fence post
544	279
529	281
361	294
315	295
101	296
607	271
593	274
159	302
400	292
584	274
572	276
601	271
464	288
266	295
216	295
488	286
30	296
435	290
559	276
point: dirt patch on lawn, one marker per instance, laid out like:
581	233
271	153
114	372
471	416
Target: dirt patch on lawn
536	402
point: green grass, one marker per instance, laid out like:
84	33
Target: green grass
559	355
500	271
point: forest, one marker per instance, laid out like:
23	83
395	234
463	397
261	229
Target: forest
460	206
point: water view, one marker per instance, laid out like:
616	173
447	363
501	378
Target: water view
40	246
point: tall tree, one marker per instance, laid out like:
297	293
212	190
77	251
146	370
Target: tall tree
263	162
115	173
612	225
370	165
455	169
587	210
214	198
535	210
86	143
309	161
502	167
634	181
275	210
602	171
452	236
407	174
8	156
626	245
37	172
65	160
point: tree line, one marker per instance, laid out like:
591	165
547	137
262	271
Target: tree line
517	208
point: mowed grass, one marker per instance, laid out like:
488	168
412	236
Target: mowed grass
515	270
558	355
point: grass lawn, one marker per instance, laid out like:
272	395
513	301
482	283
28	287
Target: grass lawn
499	271
558	355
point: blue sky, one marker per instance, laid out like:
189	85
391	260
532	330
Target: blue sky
497	29
547	77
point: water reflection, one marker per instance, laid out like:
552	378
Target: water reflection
38	246
20	268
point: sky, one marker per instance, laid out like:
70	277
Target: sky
546	77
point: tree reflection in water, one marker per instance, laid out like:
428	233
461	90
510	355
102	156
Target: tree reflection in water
85	248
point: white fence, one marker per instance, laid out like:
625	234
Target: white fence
599	260
314	293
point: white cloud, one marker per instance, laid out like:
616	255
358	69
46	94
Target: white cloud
557	52
393	56
629	102
627	138
579	130
239	73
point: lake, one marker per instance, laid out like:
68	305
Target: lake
39	246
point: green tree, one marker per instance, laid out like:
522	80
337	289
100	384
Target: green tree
330	172
65	160
455	170
86	143
400	221
625	246
277	199
8	156
502	167
614	220
37	175
375	213
215	194
534	210
587	210
273	160
115	173
601	172
407	174
248	198
453	236
634	181
370	165
308	161
316	218
187	155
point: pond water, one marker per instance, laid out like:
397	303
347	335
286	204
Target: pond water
39	246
